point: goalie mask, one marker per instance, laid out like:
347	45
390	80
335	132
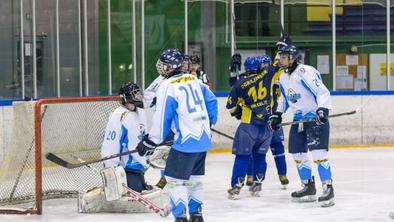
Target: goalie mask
170	63
131	93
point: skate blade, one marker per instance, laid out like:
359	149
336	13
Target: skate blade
283	187
327	203
391	215
233	197
255	194
305	199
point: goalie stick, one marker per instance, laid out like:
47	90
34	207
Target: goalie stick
164	212
56	159
314	119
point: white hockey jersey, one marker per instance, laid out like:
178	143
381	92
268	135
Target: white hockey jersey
150	92
303	91
187	107
124	131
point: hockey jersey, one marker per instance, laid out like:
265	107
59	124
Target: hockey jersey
303	91
123	132
150	92
255	93
187	107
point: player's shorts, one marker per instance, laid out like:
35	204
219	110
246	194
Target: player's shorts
278	136
314	137
182	165
251	139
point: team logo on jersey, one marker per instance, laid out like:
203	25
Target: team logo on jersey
293	96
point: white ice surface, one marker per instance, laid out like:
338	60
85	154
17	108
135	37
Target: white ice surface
363	182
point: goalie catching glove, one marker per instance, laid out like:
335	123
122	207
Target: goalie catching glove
146	146
159	157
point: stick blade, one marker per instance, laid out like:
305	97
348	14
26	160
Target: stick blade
59	161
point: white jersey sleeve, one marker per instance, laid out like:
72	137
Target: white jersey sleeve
312	80
150	92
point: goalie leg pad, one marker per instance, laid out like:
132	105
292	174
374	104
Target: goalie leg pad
94	201
113	178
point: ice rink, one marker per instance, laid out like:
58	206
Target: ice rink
363	183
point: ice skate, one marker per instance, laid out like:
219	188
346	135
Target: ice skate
233	193
307	193
391	215
255	189
327	198
181	219
196	218
283	181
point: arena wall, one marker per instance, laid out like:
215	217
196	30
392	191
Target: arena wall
372	125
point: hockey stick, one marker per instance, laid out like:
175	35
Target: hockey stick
164	212
314	119
222	134
56	159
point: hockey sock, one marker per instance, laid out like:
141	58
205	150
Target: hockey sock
278	150
323	166
239	168
260	166
303	166
178	194
320	157
195	191
249	172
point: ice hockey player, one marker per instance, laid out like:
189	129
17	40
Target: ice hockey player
251	100
125	128
195	69
303	91
276	145
188	106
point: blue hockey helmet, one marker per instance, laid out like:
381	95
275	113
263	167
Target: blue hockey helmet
265	59
170	63
252	65
130	92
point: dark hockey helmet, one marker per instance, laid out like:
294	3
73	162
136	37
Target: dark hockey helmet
290	50
170	63
195	59
131	93
264	59
283	41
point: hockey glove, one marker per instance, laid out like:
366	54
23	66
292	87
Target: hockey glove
322	115
235	64
237	113
146	146
274	121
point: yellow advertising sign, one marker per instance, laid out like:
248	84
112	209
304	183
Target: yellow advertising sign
382	68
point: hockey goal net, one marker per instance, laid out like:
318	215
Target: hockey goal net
68	127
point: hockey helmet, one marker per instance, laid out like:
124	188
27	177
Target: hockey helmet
195	59
290	50
170	63
252	65
283	41
264	59
131	93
